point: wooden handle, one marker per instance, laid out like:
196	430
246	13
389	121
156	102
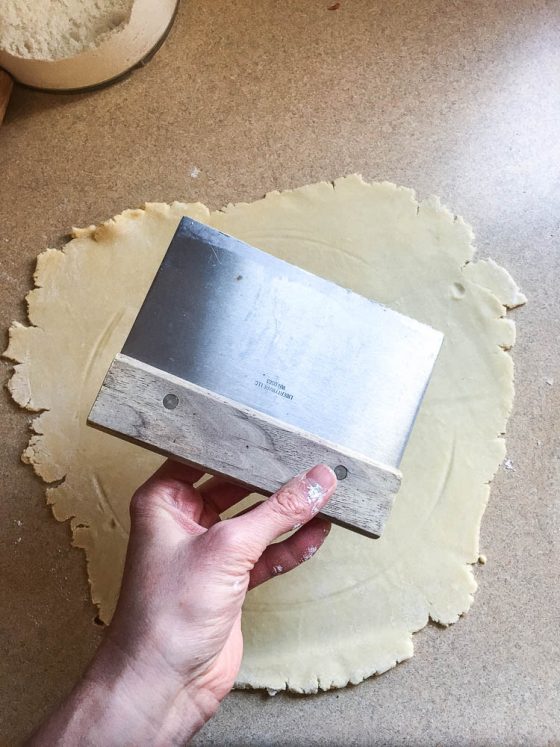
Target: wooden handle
203	429
6	85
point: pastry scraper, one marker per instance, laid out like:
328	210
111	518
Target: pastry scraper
253	369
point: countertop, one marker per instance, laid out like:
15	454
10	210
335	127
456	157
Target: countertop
457	98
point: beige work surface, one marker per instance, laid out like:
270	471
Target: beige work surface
460	99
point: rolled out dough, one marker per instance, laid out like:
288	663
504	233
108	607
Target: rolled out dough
351	611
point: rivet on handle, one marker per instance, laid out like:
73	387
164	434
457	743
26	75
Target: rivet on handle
170	401
341	472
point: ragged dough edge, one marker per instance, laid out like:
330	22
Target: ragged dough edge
494	280
49	263
332	677
488	274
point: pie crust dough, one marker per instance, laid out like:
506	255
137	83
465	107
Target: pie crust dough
351	611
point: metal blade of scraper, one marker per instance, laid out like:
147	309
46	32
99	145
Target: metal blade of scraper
264	333
254	369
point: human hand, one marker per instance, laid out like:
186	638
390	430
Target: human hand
176	632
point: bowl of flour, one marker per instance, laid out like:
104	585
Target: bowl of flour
65	45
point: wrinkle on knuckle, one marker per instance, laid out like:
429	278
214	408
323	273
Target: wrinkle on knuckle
150	496
169	490
289	503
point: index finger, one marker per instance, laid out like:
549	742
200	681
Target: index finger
222	494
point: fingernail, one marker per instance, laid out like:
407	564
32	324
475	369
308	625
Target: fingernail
323	476
319	481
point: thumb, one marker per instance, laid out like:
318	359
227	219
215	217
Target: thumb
298	501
